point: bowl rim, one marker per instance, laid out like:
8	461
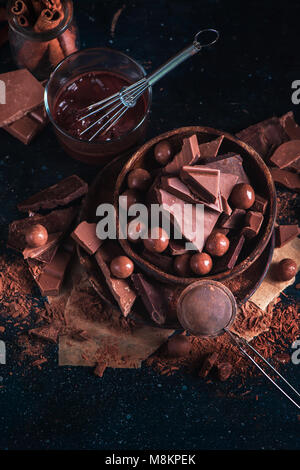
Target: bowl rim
149	268
104	142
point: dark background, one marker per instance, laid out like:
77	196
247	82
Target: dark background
245	79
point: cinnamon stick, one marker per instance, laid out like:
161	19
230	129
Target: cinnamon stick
48	19
20	8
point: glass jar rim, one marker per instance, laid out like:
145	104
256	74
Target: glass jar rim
47	35
104	142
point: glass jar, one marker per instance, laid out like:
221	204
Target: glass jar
40	40
96	60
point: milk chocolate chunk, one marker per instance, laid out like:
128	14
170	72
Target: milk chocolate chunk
59	194
232	164
23	94
28	127
260	204
264	136
152	298
253	222
160	260
224	370
285	233
235	220
229	260
227	183
52	276
210	149
286	154
286	178
204	182
121	289
188	155
185	222
208	364
55	222
85	235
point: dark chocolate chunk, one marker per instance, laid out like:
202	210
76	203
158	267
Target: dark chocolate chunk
229	260
233	165
208	364
285	233
253	222
264	136
160	260
286	154
55	222
85	235
28	127
59	194
188	155
290	126
224	371
121	289
286	178
152	298
235	220
260	204
23	93
210	149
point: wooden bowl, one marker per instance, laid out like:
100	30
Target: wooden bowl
255	168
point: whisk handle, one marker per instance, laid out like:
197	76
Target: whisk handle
189	51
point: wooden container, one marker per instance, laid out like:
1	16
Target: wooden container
260	179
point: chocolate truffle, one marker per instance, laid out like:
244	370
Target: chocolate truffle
182	265
157	240
162	152
139	179
286	269
178	346
133	197
201	263
217	244
242	196
135	230
121	267
36	236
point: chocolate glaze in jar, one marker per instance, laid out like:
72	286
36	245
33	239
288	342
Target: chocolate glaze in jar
85	78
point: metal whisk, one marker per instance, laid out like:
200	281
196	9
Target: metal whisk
115	106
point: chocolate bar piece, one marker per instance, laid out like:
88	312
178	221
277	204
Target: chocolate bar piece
23	94
234	221
260	204
232	165
286	154
289	125
264	136
59	194
188	155
228	261
204	182
187	225
28	127
210	149
52	276
55	222
253	222
176	187
160	260
286	178
121	289
152	298
227	183
85	235
285	233
45	252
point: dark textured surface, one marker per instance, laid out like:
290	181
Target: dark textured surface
246	78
